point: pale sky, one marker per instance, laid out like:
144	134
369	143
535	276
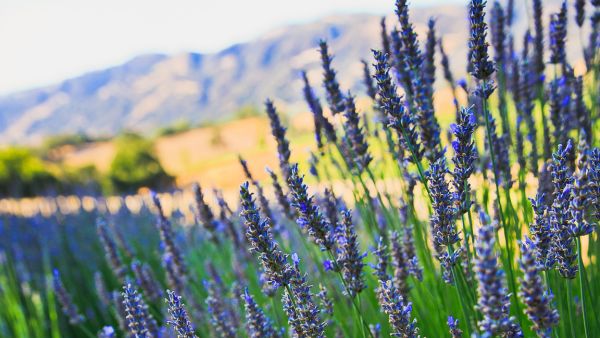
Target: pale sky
45	41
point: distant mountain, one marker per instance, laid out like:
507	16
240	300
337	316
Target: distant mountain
153	91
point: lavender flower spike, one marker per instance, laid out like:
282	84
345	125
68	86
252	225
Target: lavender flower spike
349	259
482	67
220	316
453	327
563	241
400	119
110	249
139	321
179	319
309	215
258	233
203	211
335	99
464	157
541	234
444	214
537	299
257	324
283	145
493	298
356	135
558	35
64	298
398	311
167	236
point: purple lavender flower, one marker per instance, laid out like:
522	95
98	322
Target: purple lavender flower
335	98
139	321
399	265
175	280
429	59
326	301
410	254
305	310
258	233
356	135
579	12
257	324
107	332
145	279
539	63
167	237
64	298
453	327
349	258
581	110
203	212
110	249
282	199
563	244
178	316
219	314
265	208
385	38
464	157
283	146
537	298
593	186
309	216
541	234
381	261
578	223
444	214
558	35
368	80
498	33
101	289
322	124
393	107
398	311
494	300
483	68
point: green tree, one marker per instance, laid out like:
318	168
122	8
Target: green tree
135	165
22	173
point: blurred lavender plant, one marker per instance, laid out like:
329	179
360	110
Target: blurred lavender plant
464	157
537	299
349	258
178	316
258	325
494	300
309	216
64	298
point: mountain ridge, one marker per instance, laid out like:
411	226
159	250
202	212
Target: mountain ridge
156	90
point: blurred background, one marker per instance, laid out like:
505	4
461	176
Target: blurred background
107	97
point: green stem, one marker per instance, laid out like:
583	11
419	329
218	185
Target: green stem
500	211
569	303
581	277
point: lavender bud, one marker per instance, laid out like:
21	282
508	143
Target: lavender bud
493	298
64	298
398	311
335	99
537	298
349	259
309	215
283	145
178	316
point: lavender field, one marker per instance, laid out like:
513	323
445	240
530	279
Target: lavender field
394	226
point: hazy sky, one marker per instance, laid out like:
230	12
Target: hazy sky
45	41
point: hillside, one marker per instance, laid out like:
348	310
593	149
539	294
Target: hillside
153	91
